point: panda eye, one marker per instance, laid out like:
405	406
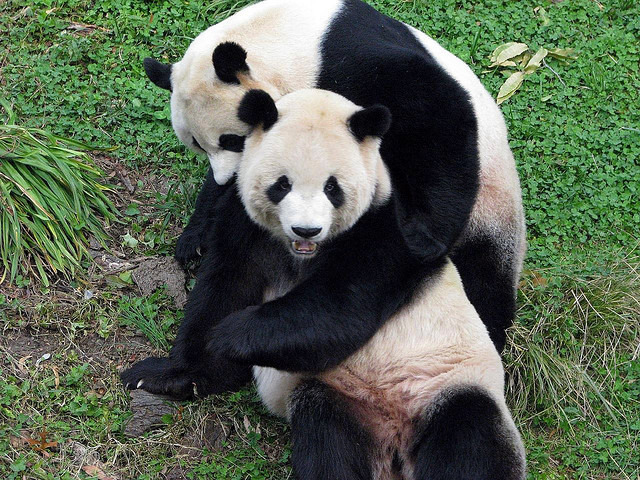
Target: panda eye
279	189
333	192
231	143
283	183
196	144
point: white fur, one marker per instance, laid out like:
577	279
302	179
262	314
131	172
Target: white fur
310	142
282	39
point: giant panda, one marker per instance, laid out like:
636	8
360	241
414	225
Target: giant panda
423	398
454	176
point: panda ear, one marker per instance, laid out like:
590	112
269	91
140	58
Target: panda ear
229	59
373	121
258	108
158	73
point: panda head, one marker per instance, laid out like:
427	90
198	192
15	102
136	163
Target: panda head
311	166
205	92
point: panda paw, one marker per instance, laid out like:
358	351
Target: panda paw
420	241
160	377
190	246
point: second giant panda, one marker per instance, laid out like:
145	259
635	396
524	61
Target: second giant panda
423	398
455	183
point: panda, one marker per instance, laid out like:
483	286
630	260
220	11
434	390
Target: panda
456	188
423	398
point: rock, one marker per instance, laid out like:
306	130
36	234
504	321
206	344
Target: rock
148	410
156	272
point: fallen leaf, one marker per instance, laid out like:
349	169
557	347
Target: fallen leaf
56	374
563	54
536	60
42	444
507	51
96	472
510	86
538	280
22	363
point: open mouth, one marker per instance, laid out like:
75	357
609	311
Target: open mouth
304	247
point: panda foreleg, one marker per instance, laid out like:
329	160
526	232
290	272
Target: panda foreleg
192	242
229	279
336	309
328	442
190	369
465	435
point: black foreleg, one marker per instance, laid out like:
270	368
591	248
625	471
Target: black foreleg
231	277
336	309
192	243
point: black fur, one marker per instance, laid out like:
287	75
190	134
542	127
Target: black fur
158	73
231	143
343	296
334	192
234	273
258	108
279	190
431	146
488	283
327	441
370	122
463	438
192	243
229	59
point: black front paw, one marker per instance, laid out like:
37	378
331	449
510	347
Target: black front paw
159	376
190	245
419	239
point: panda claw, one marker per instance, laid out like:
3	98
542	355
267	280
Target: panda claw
127	386
199	252
140	383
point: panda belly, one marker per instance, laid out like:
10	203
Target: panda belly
437	343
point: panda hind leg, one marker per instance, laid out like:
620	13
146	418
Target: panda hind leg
328	442
464	435
487	272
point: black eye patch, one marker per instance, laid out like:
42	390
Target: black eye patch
231	143
334	193
196	144
279	189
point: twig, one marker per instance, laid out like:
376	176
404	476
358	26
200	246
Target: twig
554	72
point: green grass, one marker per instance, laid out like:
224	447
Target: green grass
574	371
52	201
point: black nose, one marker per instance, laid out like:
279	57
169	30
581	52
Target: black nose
306	232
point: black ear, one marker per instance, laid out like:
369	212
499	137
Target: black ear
229	59
158	73
370	122
256	108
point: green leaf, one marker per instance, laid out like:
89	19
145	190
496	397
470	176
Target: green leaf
129	241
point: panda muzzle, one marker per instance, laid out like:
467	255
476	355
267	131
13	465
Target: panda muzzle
304	247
